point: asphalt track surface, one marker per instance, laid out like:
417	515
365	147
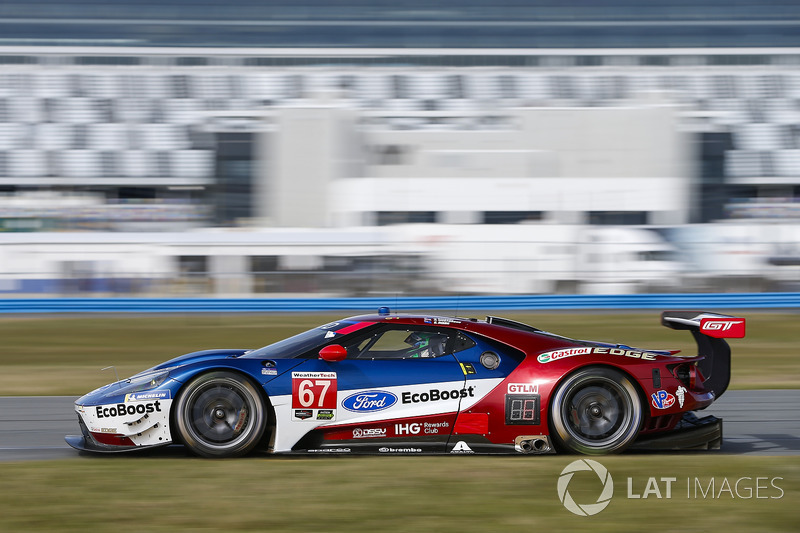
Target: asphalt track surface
756	422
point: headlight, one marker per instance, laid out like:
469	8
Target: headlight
142	382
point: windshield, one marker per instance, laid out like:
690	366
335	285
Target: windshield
302	342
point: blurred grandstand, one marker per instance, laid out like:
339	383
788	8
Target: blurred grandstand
166	116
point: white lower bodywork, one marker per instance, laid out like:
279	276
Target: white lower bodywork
145	423
288	431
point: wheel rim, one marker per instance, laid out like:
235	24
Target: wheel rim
219	413
597	413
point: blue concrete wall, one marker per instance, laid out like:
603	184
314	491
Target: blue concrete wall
448	304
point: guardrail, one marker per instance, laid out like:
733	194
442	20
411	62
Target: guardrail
449	304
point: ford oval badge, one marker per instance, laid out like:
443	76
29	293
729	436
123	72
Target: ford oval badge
368	401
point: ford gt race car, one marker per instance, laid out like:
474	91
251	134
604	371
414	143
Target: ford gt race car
421	384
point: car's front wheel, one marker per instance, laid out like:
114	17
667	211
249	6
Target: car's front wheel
595	411
220	414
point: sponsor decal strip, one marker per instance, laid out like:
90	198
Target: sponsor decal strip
387	449
555	355
441	321
680	393
369	433
523	388
369	401
434	395
121	409
461	447
314	396
425	428
395	427
147	396
662	399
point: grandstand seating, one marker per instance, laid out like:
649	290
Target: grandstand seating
142	122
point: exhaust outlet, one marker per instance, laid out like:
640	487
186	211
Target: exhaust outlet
535	444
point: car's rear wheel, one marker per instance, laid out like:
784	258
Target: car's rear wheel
220	414
595	411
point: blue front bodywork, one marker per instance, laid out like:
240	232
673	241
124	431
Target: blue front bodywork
181	369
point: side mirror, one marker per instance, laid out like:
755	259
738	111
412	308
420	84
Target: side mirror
333	353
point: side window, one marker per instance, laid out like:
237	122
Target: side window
462	343
390	345
407	343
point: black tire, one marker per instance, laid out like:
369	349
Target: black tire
220	414
595	411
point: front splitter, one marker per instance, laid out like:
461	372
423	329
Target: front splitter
81	443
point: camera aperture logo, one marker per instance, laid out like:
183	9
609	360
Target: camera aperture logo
697	488
587	509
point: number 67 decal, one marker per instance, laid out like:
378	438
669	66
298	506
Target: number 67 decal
314	390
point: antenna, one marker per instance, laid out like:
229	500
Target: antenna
458	304
115	373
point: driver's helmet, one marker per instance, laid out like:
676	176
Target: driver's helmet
426	344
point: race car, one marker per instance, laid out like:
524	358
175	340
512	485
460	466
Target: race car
390	383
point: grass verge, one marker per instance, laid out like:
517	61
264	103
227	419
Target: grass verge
459	494
63	355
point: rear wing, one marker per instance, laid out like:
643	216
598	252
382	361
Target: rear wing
709	331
